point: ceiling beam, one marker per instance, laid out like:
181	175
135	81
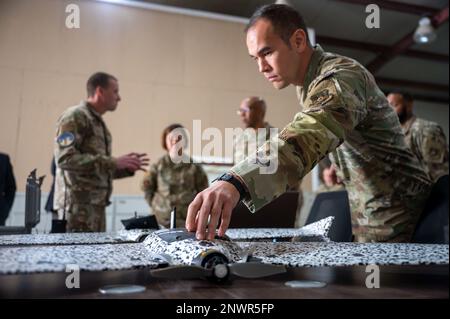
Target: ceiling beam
378	48
396	6
430	98
404	44
412	84
351	44
426	55
422	97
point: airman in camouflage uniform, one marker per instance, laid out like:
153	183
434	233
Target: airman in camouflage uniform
343	113
252	112
168	185
331	182
425	138
256	131
85	167
174	180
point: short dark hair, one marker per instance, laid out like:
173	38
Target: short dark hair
285	20
98	79
167	131
405	95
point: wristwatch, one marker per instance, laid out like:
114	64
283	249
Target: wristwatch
230	178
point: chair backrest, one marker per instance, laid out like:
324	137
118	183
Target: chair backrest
32	207
432	227
333	204
280	213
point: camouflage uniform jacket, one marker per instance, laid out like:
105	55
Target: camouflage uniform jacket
168	184
427	141
344	112
85	167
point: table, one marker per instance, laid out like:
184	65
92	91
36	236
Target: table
349	282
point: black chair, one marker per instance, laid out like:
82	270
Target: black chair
280	213
333	204
432	227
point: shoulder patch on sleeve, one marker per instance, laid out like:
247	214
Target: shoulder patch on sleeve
322	97
65	139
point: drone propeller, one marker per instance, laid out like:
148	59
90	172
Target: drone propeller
255	269
219	272
181	272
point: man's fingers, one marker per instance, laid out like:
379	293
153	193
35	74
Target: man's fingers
141	156
216	201
133	164
203	213
136	162
214	219
226	217
191	218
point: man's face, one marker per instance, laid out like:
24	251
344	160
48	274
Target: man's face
248	114
276	60
110	95
330	177
398	103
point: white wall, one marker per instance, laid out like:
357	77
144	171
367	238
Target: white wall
172	68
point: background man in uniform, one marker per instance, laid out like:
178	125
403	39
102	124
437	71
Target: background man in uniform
425	138
252	112
85	166
7	187
330	181
344	112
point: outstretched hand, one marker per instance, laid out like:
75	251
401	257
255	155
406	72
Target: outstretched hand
132	162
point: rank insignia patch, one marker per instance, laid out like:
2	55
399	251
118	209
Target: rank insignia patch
322	97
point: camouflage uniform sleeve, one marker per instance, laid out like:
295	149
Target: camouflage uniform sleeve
121	173
149	183
201	179
333	107
71	133
434	150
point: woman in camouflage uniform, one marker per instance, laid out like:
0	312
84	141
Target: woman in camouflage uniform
174	180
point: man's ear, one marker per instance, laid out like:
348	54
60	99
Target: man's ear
298	40
99	90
